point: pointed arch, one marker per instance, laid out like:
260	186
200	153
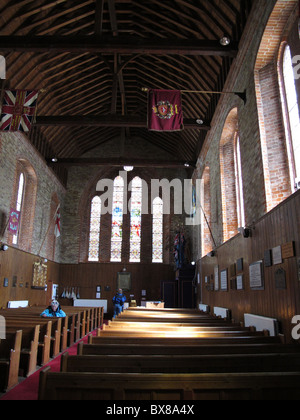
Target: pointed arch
228	182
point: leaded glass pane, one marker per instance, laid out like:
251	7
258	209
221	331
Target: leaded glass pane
95	220
135	220
117	220
157	231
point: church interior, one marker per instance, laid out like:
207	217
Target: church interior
200	219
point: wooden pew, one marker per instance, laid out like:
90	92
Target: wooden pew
178	360
231	363
166	326
10	353
160	333
31	316
29	348
177	349
45	339
130	387
183	341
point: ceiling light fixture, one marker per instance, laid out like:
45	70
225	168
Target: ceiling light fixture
225	40
128	168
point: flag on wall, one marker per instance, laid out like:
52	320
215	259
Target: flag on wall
165	110
18	110
14	220
57	223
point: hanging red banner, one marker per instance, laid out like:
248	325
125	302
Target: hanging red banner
165	110
13	223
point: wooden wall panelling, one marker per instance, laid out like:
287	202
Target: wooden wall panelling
19	265
280	226
87	276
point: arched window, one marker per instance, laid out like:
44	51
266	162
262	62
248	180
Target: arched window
117	220
19	202
23	199
94	238
239	183
135	220
157	231
290	114
228	180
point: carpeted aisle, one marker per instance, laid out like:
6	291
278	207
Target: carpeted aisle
27	390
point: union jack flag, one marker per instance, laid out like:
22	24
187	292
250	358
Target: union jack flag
18	110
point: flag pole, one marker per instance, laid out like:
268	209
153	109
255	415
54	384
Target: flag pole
48	229
242	95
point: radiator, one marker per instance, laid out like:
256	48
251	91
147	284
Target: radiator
262	323
204	308
222	312
18	304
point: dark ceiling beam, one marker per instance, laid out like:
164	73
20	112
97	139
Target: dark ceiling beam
120	162
112	121
115	45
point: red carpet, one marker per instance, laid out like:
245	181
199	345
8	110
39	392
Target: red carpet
28	389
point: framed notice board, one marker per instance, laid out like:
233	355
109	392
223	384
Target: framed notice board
124	281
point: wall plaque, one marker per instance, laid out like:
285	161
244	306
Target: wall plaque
288	250
256	276
268	258
280	279
277	255
124	281
39	280
240	265
216	274
224	280
240	282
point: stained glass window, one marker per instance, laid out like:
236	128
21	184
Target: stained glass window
157	231
135	220
117	220
95	229
19	202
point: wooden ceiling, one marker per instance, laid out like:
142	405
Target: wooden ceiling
90	60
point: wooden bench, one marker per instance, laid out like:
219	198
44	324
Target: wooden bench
131	387
169	333
29	348
44	345
183	341
10	353
231	363
134	325
177	349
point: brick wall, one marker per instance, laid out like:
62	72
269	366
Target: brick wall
260	127
81	189
17	154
